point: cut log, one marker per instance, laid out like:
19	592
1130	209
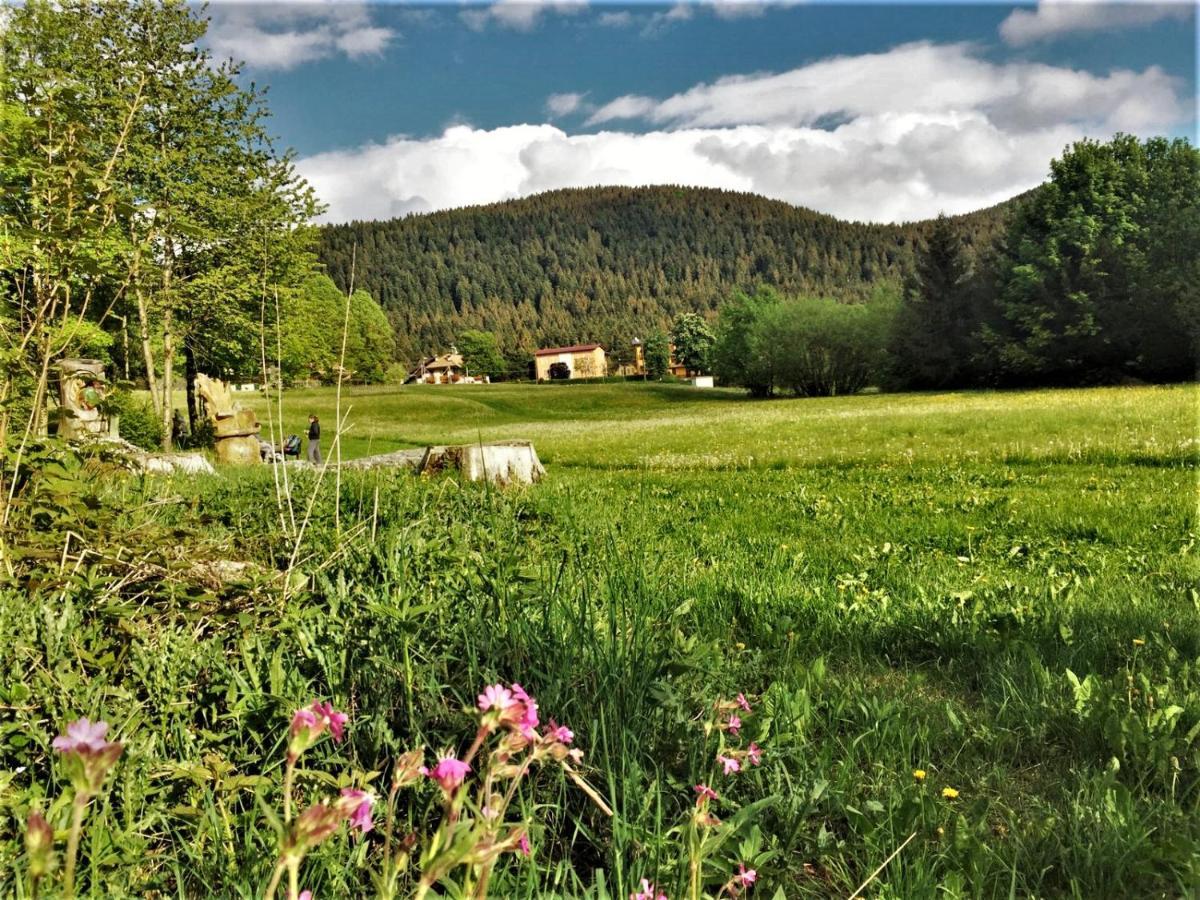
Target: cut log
502	462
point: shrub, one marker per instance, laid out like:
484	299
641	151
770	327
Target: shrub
139	423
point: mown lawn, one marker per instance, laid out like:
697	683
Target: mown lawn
997	589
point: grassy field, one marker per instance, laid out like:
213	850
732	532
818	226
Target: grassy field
996	589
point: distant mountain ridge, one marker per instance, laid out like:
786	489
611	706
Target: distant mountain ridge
610	263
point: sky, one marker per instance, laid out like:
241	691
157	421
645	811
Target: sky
880	113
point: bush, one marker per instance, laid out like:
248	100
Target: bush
139	423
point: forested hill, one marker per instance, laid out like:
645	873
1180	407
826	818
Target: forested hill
608	264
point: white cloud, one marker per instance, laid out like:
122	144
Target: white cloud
283	36
563	104
519	15
879	137
917	78
1057	17
737	9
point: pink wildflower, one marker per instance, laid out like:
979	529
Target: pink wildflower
88	756
524	712
358	804
735	724
731	765
743	702
704	792
303	719
523	844
576	754
754	753
82	736
497	697
560	733
449	772
330	717
305	895
745	877
648	892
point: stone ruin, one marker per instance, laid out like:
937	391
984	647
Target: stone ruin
235	430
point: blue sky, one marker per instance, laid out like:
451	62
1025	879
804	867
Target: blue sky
883	112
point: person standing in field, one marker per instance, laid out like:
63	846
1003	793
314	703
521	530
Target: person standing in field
314	440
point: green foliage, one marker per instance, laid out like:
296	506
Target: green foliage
138	423
657	350
1092	283
819	347
481	353
734	352
693	341
310	335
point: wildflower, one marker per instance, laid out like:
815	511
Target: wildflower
497	697
88	755
745	877
449	773
303	720
648	892
734	725
488	813
754	754
560	733
304	895
704	793
949	793
335	721
358	804
743	702
39	845
919	774
526	718
576	755
313	825
523	844
1138	642
408	768
731	765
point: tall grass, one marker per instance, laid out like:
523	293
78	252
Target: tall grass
996	589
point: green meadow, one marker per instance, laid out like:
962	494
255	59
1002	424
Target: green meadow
993	593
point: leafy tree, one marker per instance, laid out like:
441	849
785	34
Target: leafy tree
139	183
481	354
370	343
818	347
693	340
657	350
734	354
1091	285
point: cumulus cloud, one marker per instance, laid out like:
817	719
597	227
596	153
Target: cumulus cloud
519	15
1053	18
918	78
880	137
283	36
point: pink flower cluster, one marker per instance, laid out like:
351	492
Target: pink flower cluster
449	773
511	707
310	722
648	892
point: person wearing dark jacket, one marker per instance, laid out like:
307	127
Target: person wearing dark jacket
314	440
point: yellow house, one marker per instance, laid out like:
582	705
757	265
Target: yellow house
581	361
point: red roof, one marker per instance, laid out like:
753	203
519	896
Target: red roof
577	348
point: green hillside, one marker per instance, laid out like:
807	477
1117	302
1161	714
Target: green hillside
610	263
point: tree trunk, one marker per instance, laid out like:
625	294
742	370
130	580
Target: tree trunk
147	351
168	366
189	374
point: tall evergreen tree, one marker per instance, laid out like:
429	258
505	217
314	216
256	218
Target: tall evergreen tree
931	342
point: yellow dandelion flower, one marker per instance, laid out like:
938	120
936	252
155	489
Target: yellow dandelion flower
949	793
919	774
